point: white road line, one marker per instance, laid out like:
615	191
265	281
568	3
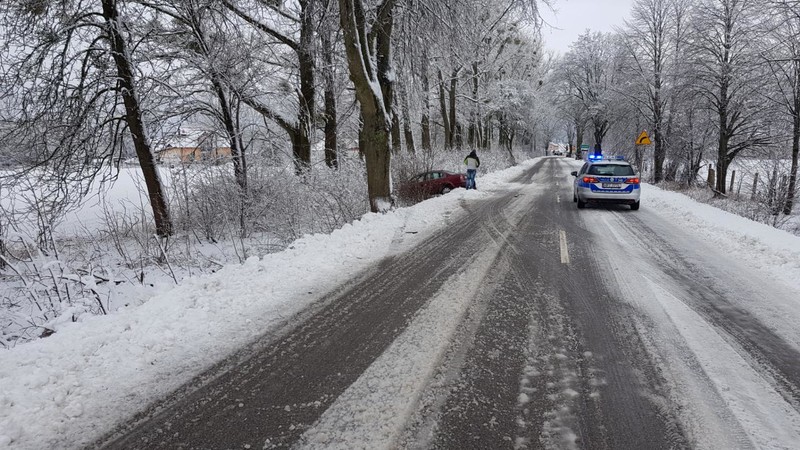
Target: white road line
562	235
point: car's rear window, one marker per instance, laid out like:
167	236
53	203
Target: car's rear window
614	170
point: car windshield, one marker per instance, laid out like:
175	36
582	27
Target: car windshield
610	170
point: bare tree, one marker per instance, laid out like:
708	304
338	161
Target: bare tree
569	101
730	76
300	40
71	68
785	67
647	38
194	39
328	36
458	53
591	74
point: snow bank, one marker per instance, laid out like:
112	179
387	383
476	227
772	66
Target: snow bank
756	244
71	388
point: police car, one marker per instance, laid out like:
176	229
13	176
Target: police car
606	180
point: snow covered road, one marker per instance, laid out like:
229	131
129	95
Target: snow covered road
505	318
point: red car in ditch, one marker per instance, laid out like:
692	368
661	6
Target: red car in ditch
432	183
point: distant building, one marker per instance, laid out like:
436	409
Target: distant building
220	153
190	145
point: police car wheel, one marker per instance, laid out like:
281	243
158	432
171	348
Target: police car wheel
581	204
574	199
634	206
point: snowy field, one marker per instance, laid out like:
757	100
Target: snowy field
126	192
71	388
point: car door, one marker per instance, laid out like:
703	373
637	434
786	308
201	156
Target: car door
427	183
437	179
576	181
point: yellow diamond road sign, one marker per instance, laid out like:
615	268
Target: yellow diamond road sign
643	139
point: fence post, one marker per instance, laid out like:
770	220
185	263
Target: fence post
733	177
739	187
755	185
711	179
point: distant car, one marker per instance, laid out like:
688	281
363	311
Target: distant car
607	181
432	183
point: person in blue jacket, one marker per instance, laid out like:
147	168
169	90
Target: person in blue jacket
473	162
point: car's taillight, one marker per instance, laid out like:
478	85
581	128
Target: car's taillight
590	180
632	181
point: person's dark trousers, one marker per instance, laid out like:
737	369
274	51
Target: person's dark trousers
471	179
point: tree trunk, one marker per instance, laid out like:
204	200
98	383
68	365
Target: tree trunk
578	135
331	130
600	129
3	249
722	174
233	135
722	110
425	123
375	105
301	149
787	209
133	116
510	148
397	144
570	139
474	115
659	153
305	59
488	134
755	187
237	152
375	135
454	126
408	135
448	135
722	157
331	119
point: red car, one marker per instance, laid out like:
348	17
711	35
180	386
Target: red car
433	183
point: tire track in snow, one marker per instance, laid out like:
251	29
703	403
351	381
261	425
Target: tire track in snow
771	355
557	393
692	294
275	394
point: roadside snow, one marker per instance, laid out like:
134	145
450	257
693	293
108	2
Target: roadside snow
71	388
755	244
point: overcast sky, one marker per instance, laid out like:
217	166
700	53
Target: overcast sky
573	17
